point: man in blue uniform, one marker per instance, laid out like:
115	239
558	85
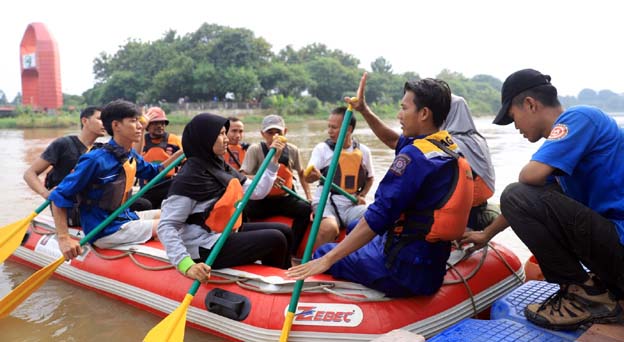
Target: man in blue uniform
102	180
577	220
396	248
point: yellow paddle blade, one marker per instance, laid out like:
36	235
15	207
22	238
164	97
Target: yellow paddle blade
288	320
171	329
26	288
12	234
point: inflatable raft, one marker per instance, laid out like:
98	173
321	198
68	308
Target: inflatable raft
248	303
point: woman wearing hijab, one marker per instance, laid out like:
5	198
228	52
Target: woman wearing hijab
201	202
474	147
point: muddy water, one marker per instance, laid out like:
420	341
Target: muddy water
63	312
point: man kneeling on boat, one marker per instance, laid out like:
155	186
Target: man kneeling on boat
202	199
102	181
397	247
577	220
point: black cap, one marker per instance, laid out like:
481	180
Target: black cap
516	83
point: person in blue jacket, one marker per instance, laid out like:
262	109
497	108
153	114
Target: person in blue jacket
102	180
577	220
396	247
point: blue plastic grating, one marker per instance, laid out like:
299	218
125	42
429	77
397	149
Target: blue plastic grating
494	331
511	306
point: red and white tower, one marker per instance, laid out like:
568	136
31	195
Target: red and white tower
41	71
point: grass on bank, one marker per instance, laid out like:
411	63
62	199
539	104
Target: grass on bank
28	118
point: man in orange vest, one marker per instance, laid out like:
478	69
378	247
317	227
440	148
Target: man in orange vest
397	247
156	146
236	150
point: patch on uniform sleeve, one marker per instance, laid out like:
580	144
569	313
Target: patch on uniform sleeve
400	164
558	132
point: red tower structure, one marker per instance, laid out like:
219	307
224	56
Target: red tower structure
41	71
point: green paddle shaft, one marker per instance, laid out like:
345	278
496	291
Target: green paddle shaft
317	221
131	200
42	206
239	209
293	193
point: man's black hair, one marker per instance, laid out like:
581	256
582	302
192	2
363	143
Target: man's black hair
88	112
546	94
433	94
342	110
118	110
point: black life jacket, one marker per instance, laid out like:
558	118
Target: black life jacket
114	193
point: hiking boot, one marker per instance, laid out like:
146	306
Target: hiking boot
573	306
598	301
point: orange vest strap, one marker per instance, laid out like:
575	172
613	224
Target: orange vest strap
130	170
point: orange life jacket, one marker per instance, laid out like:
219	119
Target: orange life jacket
481	191
283	171
158	153
236	155
225	207
447	222
350	174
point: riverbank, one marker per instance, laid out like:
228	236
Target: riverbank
177	117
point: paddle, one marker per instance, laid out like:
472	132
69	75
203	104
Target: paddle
318	216
333	185
293	193
30	285
12	234
171	328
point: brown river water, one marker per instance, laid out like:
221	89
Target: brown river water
59	311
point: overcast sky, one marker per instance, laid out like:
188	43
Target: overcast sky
574	41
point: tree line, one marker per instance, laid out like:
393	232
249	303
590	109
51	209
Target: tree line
222	63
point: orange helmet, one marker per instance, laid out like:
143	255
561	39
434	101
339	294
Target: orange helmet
160	115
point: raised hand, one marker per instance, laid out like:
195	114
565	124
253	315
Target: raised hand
359	103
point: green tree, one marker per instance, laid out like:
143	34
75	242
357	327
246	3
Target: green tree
289	55
243	82
121	85
174	81
385	88
3	98
75	101
587	96
17	100
239	48
494	82
280	78
381	65
204	86
332	79
314	51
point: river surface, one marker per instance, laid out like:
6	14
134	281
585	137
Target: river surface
59	311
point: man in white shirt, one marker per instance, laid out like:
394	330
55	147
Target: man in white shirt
354	175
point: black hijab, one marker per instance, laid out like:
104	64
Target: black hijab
205	175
